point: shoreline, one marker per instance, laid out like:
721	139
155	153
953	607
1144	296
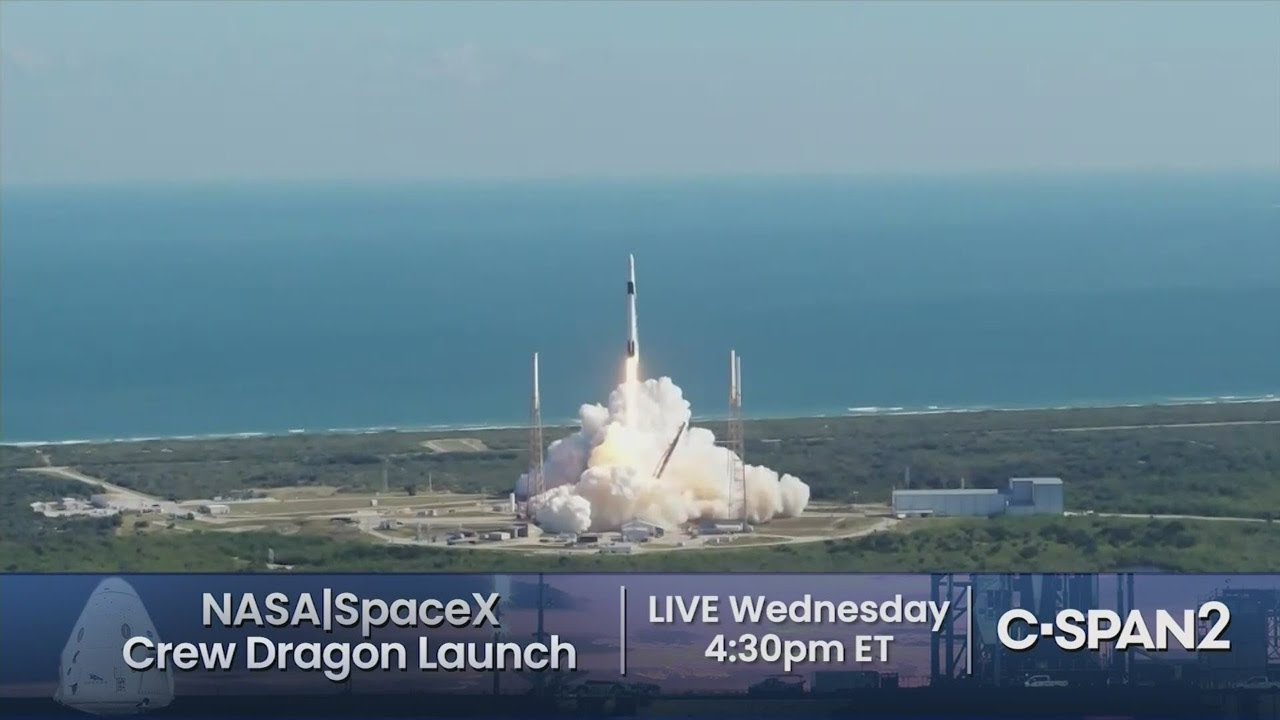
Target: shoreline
851	412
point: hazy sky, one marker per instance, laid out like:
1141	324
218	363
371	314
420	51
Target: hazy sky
103	91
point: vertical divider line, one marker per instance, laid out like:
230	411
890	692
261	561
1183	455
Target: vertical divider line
622	629
968	635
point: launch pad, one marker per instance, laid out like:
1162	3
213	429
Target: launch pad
647	425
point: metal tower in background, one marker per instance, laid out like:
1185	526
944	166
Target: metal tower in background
736	440
967	647
536	485
501	586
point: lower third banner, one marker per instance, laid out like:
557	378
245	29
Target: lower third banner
642	645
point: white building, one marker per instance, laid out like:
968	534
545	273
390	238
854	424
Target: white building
618	549
526	530
712	527
496	536
1022	496
215	509
636	531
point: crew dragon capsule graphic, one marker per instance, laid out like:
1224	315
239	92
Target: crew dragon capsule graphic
92	674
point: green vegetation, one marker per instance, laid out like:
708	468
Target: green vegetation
1120	467
1076	544
1213	460
1227	469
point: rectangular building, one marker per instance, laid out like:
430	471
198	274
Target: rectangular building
1022	496
975	502
526	530
1035	496
719	527
640	531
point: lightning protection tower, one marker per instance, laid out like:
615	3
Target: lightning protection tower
535	485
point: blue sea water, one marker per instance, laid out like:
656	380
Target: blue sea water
158	311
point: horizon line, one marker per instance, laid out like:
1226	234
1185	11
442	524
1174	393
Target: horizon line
1265	170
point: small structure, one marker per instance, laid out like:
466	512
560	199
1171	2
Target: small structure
636	531
215	509
567	538
526	530
618	549
461	537
496	536
588	539
719	527
1035	496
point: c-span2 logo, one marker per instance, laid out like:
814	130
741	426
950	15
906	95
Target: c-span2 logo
1073	629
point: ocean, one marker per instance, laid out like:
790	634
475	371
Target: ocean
143	311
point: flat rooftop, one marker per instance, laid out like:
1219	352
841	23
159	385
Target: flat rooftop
951	491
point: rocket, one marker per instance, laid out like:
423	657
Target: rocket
536	400
633	338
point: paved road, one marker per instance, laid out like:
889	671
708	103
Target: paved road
1224	423
72	474
535	548
1137	516
68	473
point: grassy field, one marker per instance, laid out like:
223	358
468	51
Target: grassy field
1202	459
1216	460
1081	544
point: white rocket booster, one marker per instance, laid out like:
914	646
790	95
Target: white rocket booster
633	337
735	378
536	399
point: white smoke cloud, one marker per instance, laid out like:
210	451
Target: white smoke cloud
603	475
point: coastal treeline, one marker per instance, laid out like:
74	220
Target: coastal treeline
1215	460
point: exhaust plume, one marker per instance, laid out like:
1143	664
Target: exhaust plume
603	475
